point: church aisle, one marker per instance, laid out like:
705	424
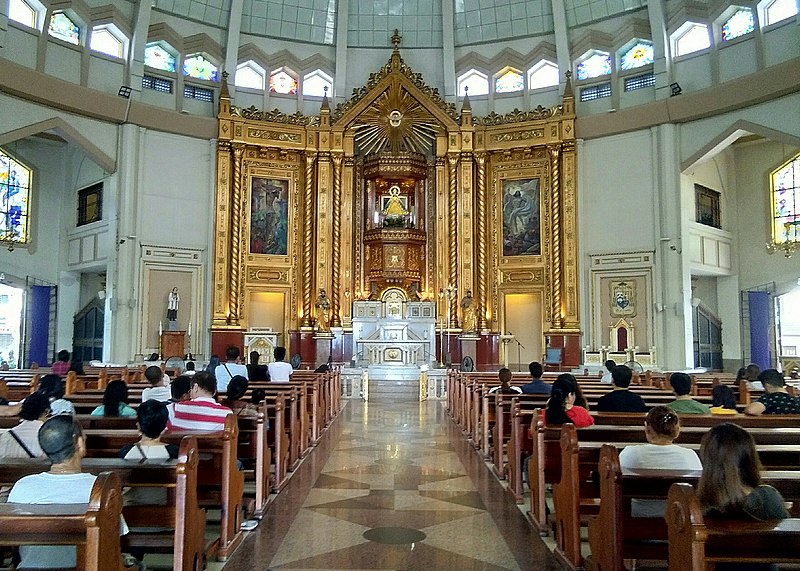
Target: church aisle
393	486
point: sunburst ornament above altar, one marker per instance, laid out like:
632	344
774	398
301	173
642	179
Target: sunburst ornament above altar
395	123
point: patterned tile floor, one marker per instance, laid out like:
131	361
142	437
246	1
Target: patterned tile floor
393	486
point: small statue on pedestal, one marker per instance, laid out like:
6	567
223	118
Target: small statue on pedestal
172	309
469	322
323	305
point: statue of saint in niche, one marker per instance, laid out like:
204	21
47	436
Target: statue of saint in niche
172	304
469	322
323	305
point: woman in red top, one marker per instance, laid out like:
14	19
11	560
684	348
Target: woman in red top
561	407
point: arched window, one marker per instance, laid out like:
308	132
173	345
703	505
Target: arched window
638	55
773	11
26	12
160	55
595	65
15	184
740	23
199	67
314	83
786	202
108	39
251	75
63	28
475	82
543	74
281	82
689	38
508	81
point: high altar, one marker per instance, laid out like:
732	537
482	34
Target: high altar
397	194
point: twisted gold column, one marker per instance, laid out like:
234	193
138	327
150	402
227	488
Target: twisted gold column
452	161
480	159
236	232
337	239
308	228
555	178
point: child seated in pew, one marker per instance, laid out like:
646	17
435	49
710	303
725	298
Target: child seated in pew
723	401
180	387
61	438
237	387
115	401
561	407
730	486
661	427
22	441
52	386
151	420
157	390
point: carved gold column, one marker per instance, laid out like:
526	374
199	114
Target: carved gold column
569	222
337	238
234	303
480	160
221	296
452	161
308	235
555	178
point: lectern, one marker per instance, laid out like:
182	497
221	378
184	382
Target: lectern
173	344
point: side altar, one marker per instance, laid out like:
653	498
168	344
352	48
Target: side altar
394	332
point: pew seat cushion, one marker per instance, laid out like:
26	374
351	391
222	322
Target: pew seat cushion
47	488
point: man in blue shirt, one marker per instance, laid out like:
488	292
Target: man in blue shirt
537	386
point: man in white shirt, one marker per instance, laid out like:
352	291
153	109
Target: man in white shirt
279	370
63	442
226	371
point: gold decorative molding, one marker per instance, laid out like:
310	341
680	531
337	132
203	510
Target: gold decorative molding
267	275
274	116
534	276
517	116
517	135
270	135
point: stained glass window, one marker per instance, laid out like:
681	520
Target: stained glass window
543	74
15	183
157	57
739	24
314	84
198	67
282	82
779	10
594	66
103	40
786	202
251	75
509	82
640	54
475	81
691	39
22	12
63	28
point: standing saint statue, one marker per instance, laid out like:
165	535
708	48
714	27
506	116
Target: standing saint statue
323	305
469	321
172	304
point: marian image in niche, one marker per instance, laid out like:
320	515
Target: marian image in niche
269	216
521	217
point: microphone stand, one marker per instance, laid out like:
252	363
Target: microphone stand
520	346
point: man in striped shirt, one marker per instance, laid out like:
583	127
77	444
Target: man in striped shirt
202	412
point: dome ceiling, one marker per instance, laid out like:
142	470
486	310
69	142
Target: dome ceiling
370	22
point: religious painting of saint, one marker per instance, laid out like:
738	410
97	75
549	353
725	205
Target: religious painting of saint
521	233
269	216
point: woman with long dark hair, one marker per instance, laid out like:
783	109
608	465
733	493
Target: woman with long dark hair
561	407
115	401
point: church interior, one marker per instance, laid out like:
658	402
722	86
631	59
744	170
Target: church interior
392	187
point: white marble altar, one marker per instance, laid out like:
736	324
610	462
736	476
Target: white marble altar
391	335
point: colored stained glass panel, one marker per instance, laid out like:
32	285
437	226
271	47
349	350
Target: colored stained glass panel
594	66
63	28
199	67
741	23
639	55
786	202
282	82
157	57
15	180
509	82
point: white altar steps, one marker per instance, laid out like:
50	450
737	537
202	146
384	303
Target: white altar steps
394	383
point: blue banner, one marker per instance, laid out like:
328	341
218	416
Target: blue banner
40	325
758	302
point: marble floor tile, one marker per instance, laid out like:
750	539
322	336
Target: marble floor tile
393	486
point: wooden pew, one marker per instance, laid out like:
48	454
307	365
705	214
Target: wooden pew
697	543
615	535
92	527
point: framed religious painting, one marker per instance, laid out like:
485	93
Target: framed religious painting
269	216
521	220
